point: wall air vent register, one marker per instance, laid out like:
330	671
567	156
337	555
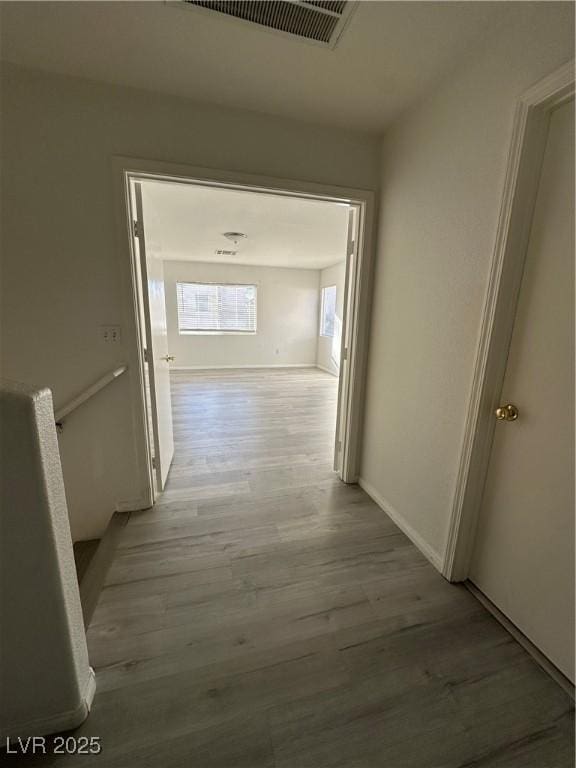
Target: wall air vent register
317	21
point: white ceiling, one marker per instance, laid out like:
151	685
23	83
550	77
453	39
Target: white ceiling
387	58
185	222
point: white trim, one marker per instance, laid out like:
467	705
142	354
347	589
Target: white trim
327	370
354	347
543	661
126	168
520	188
63	721
132	342
133	505
238	367
428	551
157	170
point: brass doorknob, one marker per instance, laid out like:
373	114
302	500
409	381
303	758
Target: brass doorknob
507	412
168	358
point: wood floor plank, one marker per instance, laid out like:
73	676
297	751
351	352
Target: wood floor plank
265	615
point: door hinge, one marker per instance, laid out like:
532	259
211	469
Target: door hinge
339	446
352	248
137	228
146	356
153	462
345	353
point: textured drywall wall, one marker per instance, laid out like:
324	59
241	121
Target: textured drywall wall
442	177
61	267
287	317
45	678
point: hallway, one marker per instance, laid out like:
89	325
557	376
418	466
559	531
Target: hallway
264	615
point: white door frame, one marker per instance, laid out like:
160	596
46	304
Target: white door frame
525	157
343	368
126	169
163	453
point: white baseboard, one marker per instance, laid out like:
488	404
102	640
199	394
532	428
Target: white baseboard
134	505
527	644
430	553
238	367
63	721
327	370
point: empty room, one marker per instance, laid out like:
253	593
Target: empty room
241	296
287	384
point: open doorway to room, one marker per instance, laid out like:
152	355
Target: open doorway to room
247	310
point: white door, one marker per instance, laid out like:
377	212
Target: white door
524	550
343	411
157	356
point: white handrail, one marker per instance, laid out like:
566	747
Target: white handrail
88	393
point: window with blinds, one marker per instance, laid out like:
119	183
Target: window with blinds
216	308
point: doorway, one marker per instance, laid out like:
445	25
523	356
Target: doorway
343	321
523	557
511	531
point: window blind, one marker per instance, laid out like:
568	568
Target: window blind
214	307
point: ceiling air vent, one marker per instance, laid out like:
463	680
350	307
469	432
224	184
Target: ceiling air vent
318	21
224	252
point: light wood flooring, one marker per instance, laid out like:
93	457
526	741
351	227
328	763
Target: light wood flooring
264	615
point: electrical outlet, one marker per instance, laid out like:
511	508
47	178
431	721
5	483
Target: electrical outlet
110	334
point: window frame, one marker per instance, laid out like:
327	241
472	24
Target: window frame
323	290
218	331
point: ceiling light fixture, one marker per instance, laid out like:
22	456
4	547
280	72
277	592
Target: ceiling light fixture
235	236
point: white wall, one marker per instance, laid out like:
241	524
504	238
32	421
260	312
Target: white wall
328	357
44	659
61	271
287	317
442	174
